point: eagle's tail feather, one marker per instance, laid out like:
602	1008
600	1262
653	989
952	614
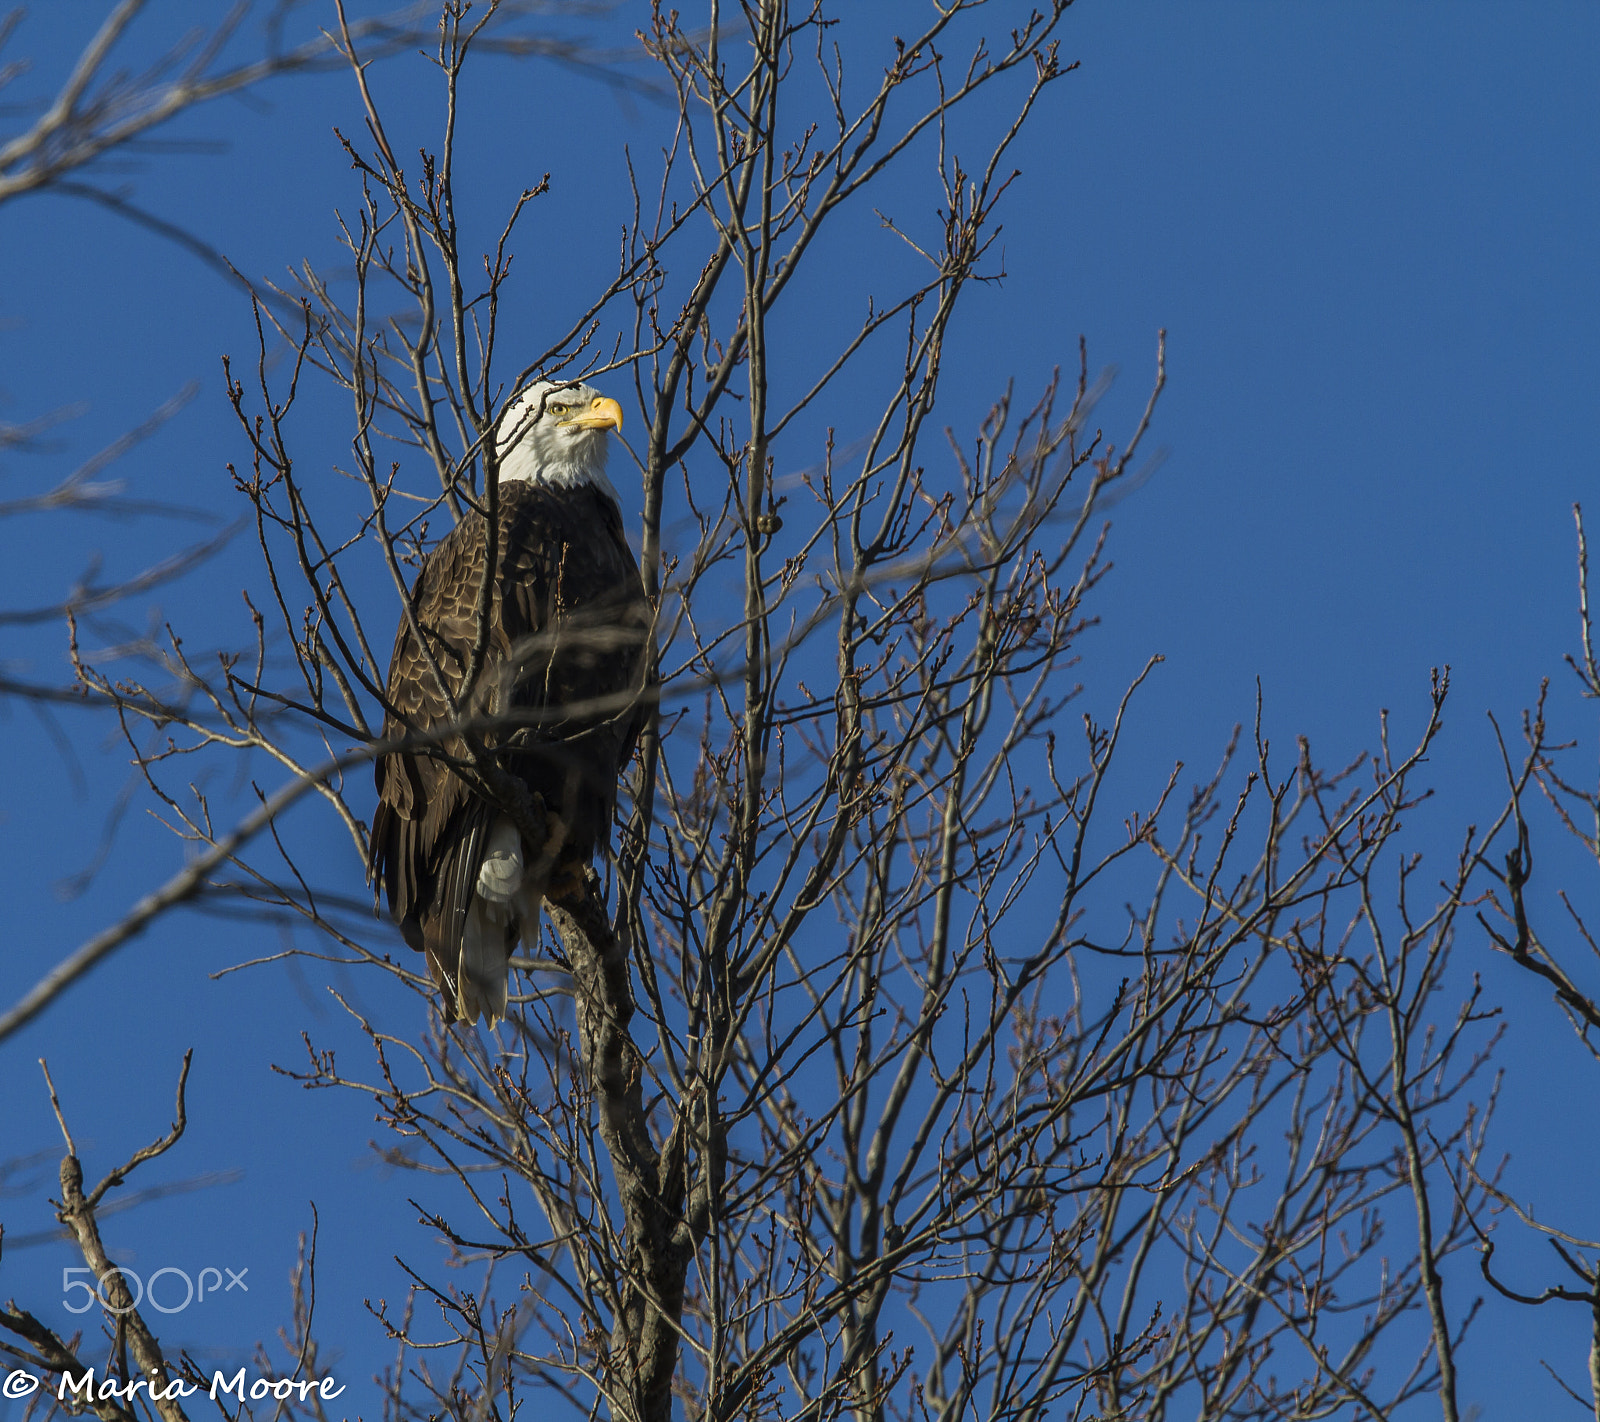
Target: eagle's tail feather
488	929
485	961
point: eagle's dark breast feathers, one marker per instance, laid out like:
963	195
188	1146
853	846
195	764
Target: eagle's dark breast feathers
559	700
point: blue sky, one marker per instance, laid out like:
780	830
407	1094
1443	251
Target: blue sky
1370	235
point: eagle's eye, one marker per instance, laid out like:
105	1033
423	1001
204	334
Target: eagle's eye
559	411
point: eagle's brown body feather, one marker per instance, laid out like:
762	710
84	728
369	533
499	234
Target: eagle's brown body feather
559	696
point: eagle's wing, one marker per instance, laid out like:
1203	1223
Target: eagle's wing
427	831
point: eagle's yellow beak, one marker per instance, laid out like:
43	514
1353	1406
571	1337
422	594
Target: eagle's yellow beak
603	414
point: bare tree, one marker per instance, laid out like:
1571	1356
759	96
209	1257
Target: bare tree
890	1070
1511	921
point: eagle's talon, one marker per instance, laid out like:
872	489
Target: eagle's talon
568	883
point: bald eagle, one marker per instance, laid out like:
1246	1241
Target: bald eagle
554	710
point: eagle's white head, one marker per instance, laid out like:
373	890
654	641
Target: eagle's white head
555	433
